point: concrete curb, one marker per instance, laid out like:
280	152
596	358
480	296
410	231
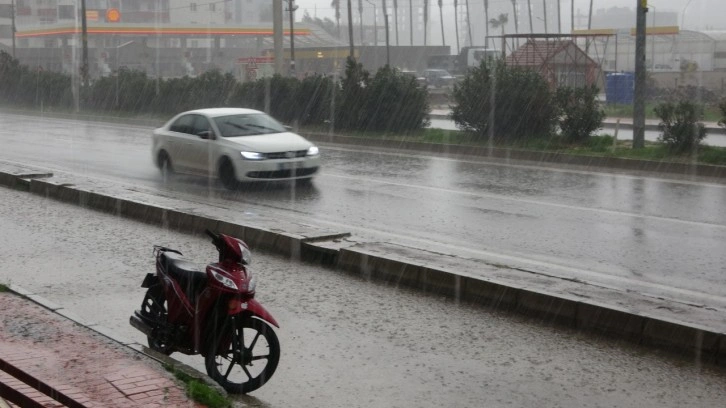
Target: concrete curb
685	169
429	273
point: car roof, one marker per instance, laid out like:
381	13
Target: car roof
215	112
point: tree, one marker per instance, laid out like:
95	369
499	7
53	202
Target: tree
486	18
441	16
468	23
529	10
516	102
516	23
426	21
456	24
500	21
395	17
336	5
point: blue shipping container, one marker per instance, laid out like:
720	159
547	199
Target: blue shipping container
619	88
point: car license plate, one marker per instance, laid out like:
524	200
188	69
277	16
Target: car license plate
286	166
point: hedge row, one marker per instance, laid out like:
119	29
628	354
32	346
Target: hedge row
388	101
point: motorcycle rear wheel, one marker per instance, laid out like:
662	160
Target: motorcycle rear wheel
244	357
154	306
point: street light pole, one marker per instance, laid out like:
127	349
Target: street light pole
84	42
652	41
639	89
12	14
385	23
291	8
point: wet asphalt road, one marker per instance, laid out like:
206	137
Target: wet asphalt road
347	342
665	237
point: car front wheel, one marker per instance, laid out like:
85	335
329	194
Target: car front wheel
226	174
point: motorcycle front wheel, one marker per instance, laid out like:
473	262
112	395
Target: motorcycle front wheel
244	356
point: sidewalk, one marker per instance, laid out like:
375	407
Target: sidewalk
78	362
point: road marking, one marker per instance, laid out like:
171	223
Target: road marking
527	201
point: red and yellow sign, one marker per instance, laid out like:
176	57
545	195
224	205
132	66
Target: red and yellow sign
113	15
92	15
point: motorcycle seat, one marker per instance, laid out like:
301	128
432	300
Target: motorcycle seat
190	278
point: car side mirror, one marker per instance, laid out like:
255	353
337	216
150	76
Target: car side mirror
206	134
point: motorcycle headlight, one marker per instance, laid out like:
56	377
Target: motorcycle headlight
313	151
252	155
224	280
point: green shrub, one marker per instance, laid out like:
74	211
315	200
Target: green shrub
126	90
27	87
722	111
523	104
580	113
313	99
395	102
679	123
350	112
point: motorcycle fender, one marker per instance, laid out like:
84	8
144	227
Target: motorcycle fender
150	280
254	308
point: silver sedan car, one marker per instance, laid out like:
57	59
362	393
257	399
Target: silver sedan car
235	145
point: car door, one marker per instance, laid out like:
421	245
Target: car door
200	145
178	141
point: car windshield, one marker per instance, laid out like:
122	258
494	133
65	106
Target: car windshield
247	125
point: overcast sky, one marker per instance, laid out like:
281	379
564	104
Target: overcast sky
699	14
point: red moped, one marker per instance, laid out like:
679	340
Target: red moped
212	313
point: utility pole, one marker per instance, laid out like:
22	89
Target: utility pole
350	29
277	34
639	96
291	7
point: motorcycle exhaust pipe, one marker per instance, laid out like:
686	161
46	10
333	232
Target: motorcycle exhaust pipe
140	325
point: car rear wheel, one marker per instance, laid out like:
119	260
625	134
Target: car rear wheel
226	174
165	165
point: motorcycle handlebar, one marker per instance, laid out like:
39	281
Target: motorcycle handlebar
212	234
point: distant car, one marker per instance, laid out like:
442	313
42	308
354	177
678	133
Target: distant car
421	80
439	78
235	145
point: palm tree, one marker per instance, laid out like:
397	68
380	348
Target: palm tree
486	18
395	18
410	20
336	4
468	22
500	21
426	21
360	17
456	24
441	16
516	23
529	10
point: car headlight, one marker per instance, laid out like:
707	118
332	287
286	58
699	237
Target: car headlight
313	151
224	280
252	155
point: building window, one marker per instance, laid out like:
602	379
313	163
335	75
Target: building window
66	13
193	6
49	43
212	7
